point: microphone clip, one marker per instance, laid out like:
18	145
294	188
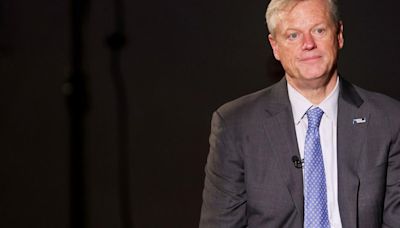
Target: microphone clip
297	162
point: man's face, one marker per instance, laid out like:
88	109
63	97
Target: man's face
306	41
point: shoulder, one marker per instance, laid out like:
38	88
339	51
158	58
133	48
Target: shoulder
251	106
379	102
366	99
245	103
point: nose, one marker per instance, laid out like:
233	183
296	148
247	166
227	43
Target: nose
309	42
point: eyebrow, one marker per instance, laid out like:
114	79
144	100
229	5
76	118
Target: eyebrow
297	29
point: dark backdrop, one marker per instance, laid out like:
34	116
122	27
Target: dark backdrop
183	59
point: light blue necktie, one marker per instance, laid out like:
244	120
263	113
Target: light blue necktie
315	199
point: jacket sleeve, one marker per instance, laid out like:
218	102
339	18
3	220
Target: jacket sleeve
391	213
224	194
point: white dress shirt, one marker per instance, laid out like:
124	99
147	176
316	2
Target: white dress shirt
328	135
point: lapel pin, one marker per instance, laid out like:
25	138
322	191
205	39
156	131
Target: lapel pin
359	120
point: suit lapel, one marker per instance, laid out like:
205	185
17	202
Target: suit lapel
350	139
281	133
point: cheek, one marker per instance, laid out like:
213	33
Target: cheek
288	54
290	59
332	52
288	62
330	46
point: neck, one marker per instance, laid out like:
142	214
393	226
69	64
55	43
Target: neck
315	90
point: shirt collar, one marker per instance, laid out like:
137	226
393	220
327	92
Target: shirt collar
300	104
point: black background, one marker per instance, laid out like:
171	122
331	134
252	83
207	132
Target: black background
183	59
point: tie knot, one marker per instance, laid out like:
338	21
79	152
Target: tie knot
314	117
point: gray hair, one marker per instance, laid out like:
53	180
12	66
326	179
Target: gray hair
275	6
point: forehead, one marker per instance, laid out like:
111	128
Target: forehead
304	13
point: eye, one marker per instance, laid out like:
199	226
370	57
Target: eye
320	31
293	36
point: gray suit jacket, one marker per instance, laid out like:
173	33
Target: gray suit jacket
250	178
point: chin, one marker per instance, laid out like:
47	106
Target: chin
313	75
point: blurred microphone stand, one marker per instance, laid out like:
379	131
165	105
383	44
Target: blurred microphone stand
116	41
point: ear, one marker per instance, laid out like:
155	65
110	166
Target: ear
340	35
274	45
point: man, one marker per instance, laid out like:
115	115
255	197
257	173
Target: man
348	137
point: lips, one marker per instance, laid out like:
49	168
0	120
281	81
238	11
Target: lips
310	58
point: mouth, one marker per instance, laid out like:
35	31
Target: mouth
310	58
